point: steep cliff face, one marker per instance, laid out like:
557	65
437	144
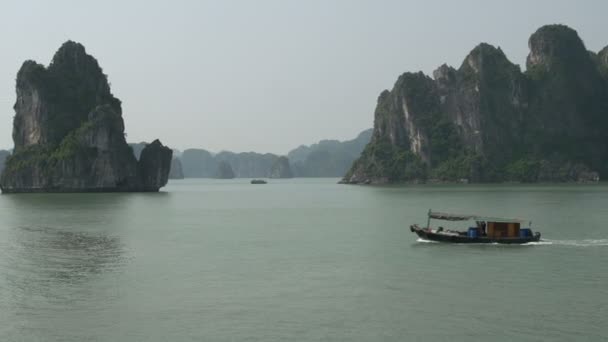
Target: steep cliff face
176	169
403	131
568	107
3	155
488	121
198	163
486	100
137	148
69	132
602	62
281	169
224	170
154	165
31	107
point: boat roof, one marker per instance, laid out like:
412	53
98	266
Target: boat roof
461	217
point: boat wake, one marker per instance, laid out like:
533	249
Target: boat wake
544	242
573	243
426	241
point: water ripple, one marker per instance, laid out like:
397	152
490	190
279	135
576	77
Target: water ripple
45	262
577	243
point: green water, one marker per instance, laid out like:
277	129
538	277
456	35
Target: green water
299	260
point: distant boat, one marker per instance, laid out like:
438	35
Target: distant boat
258	181
485	230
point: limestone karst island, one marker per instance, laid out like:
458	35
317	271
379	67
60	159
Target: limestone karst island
69	133
488	121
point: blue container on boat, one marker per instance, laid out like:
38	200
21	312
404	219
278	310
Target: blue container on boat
473	232
525	232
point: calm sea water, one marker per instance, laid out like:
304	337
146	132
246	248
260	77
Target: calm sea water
299	260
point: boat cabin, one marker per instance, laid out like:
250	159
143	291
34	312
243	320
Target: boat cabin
503	229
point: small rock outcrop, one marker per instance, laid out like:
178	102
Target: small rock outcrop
488	121
176	171
224	170
281	168
69	132
154	165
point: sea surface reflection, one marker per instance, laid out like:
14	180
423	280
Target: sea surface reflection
57	253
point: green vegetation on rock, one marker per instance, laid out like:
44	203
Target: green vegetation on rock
487	121
69	132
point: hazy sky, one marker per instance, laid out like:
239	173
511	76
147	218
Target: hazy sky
267	76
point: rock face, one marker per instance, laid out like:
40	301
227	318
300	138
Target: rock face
176	169
487	121
154	165
198	163
328	158
281	169
69	132
137	148
3	155
602	62
224	170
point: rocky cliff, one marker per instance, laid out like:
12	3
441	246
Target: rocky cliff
224	170
69	132
137	148
176	169
280	168
602	62
154	165
3	156
489	121
175	172
198	163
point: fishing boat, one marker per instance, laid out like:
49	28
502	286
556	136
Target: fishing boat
482	229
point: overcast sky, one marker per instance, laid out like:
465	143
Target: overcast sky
267	76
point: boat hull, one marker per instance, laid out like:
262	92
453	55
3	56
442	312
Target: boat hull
427	234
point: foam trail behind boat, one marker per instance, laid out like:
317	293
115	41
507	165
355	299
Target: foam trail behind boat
577	243
425	241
